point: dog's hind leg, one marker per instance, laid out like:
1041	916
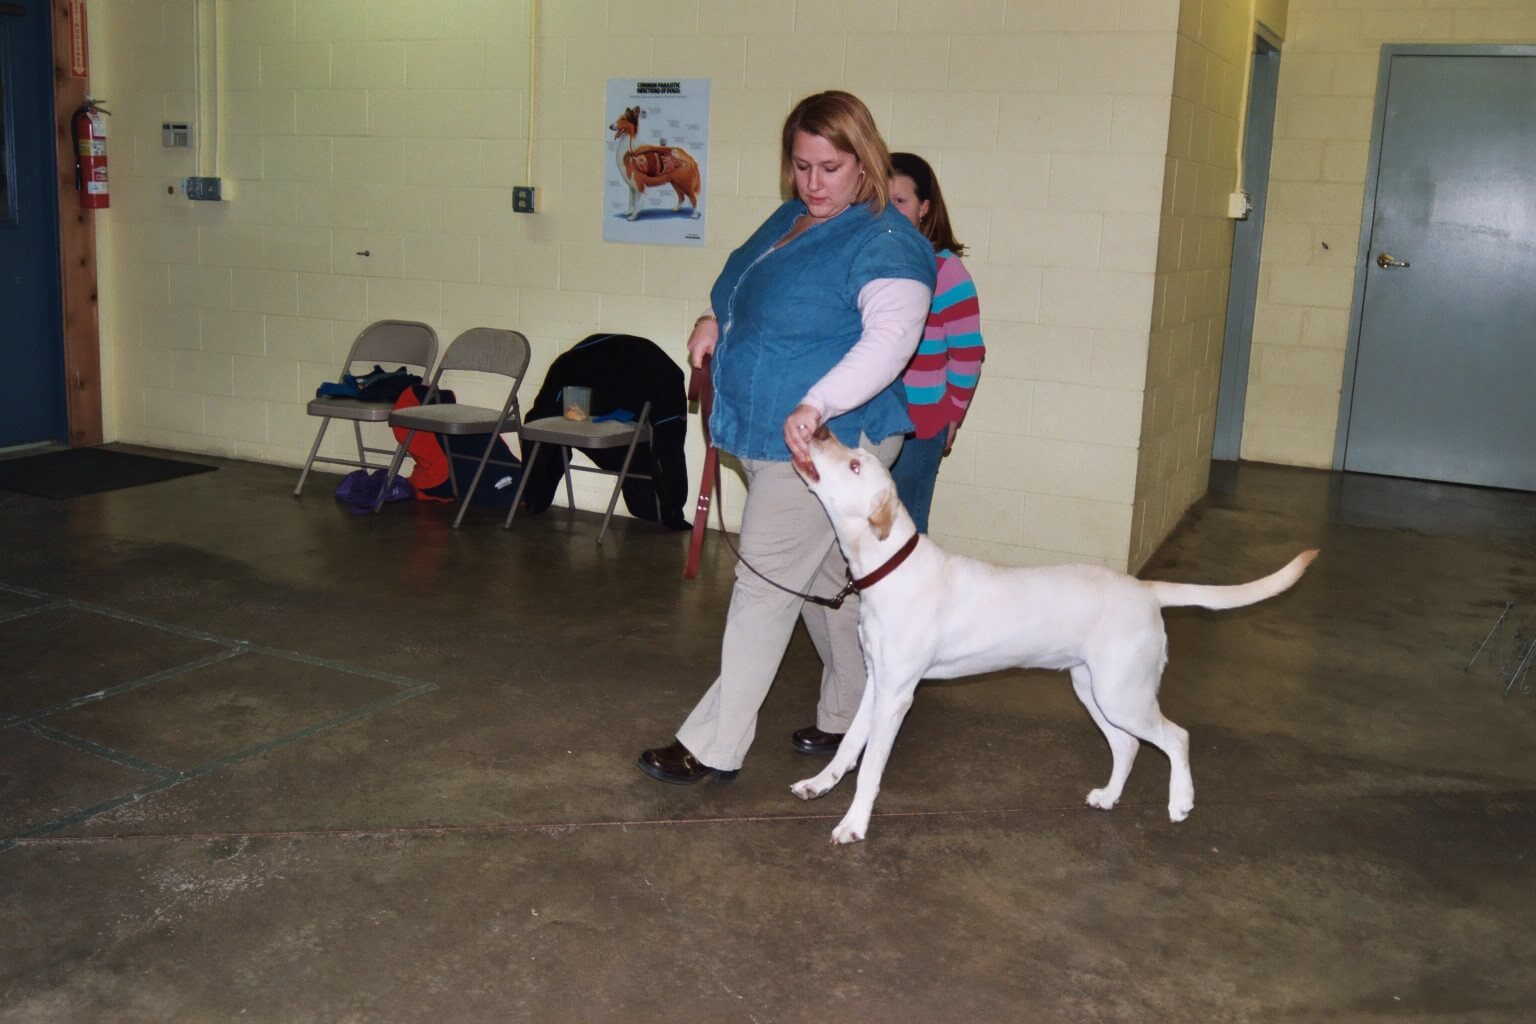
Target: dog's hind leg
847	754
1130	702
890	707
1174	742
1122	745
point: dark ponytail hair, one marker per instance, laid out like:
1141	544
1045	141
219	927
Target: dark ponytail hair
935	224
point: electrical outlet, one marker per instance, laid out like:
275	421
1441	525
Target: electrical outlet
522	199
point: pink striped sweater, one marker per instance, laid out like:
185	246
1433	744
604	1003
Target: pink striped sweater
943	373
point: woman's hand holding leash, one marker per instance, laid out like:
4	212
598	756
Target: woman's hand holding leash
701	343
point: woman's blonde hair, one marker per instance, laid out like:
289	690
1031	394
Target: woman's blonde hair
843	120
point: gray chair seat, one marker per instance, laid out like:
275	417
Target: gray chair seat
350	409
579	433
448	419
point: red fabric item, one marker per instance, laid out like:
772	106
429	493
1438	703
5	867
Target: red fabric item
426	451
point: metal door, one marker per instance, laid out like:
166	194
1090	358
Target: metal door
31	315
1247	241
1443	382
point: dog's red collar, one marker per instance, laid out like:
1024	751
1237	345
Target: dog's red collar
894	563
853	586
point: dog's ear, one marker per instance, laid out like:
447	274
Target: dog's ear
883	514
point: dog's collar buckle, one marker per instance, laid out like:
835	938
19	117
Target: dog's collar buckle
836	601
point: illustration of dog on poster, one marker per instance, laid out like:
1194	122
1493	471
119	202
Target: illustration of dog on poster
644	167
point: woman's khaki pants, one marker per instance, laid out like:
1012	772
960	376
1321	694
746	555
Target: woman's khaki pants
787	537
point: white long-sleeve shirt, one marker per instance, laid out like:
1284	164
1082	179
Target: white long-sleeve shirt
894	311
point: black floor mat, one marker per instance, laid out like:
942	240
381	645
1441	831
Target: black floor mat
77	471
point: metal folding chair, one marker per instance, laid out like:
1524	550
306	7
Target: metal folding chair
479	349
568	434
398	342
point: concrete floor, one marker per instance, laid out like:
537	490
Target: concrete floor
369	769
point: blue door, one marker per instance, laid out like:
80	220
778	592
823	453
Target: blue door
1445	358
31	315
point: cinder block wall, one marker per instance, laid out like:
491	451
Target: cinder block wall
399	127
1328	73
1194	260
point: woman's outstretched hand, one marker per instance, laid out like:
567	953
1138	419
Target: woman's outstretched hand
798	428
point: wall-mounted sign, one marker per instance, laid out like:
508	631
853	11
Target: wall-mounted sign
658	141
79	48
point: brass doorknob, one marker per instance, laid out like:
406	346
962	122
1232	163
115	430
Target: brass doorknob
1386	260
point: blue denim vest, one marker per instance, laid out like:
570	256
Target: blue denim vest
788	316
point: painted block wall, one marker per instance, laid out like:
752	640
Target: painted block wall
1193	268
398	128
1328	73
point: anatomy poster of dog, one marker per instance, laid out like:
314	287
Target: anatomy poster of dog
658	138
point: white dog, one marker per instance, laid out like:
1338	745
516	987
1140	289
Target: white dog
931	614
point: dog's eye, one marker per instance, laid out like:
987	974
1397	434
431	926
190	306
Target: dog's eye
853	467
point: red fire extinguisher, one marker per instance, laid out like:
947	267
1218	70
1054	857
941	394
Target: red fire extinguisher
89	128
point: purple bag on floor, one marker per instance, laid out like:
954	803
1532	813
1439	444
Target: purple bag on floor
359	489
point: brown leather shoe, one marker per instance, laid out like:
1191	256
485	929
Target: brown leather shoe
677	765
812	740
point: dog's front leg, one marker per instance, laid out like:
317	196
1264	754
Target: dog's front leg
891	703
847	754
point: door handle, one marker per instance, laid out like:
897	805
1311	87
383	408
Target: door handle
1386	260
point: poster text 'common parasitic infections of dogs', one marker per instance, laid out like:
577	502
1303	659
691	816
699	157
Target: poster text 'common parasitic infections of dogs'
658	145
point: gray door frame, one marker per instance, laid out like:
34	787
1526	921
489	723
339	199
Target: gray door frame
1247	243
1368	209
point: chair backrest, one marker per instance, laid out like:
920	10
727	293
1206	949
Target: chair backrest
488	350
395	341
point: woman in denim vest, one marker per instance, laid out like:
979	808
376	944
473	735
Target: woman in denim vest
810	322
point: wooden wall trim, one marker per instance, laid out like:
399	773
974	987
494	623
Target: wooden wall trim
77	254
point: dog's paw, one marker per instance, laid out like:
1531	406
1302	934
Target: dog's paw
1179	811
810	789
853	828
845	834
1102	799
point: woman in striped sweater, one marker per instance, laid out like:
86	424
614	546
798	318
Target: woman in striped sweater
942	375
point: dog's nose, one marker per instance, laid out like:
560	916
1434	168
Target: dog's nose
822	433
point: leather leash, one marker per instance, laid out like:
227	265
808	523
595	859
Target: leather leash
701	389
853	586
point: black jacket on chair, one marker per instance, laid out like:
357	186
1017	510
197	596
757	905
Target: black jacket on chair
624	372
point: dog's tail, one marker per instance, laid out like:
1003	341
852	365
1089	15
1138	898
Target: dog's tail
1174	595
